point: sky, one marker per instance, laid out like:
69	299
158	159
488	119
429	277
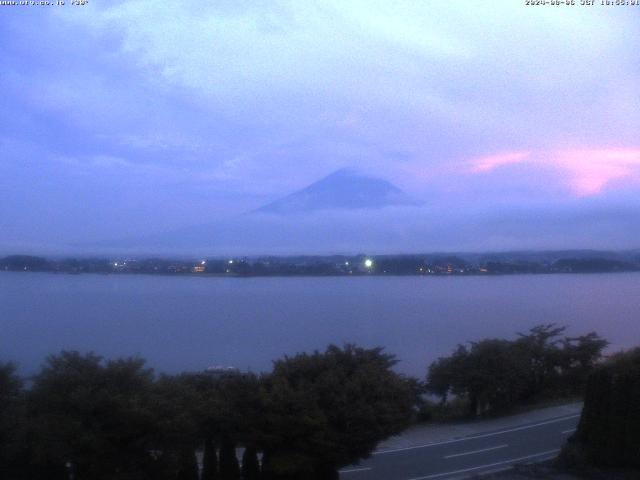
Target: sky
513	126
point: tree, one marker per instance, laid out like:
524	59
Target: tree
327	410
443	374
12	422
239	411
176	406
92	414
187	465
250	465
227	411
229	467
489	375
609	430
495	374
541	347
580	355
209	461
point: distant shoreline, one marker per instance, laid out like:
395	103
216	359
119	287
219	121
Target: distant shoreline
337	265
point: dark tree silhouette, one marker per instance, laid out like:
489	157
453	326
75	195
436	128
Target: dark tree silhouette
188	467
12	422
493	374
327	410
209	461
229	467
609	430
92	414
250	465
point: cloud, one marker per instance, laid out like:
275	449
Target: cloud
218	109
592	171
584	172
572	224
427	67
491	162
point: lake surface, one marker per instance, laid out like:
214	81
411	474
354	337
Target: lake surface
190	323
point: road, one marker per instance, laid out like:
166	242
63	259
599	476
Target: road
483	453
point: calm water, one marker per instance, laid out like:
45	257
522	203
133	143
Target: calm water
189	323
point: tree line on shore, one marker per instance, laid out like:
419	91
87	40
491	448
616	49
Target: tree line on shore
334	265
85	417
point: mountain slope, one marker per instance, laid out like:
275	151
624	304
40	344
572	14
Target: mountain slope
344	189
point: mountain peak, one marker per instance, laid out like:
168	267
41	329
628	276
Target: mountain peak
344	189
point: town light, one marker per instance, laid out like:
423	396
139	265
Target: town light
368	263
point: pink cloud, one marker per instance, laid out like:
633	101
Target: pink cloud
591	171
584	172
491	162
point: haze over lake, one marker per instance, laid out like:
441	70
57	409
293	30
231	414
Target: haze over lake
190	323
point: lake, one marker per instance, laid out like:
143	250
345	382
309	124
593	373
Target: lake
190	323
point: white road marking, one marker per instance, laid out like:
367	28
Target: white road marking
571	430
494	470
543	459
476	451
513	460
474	437
351	470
